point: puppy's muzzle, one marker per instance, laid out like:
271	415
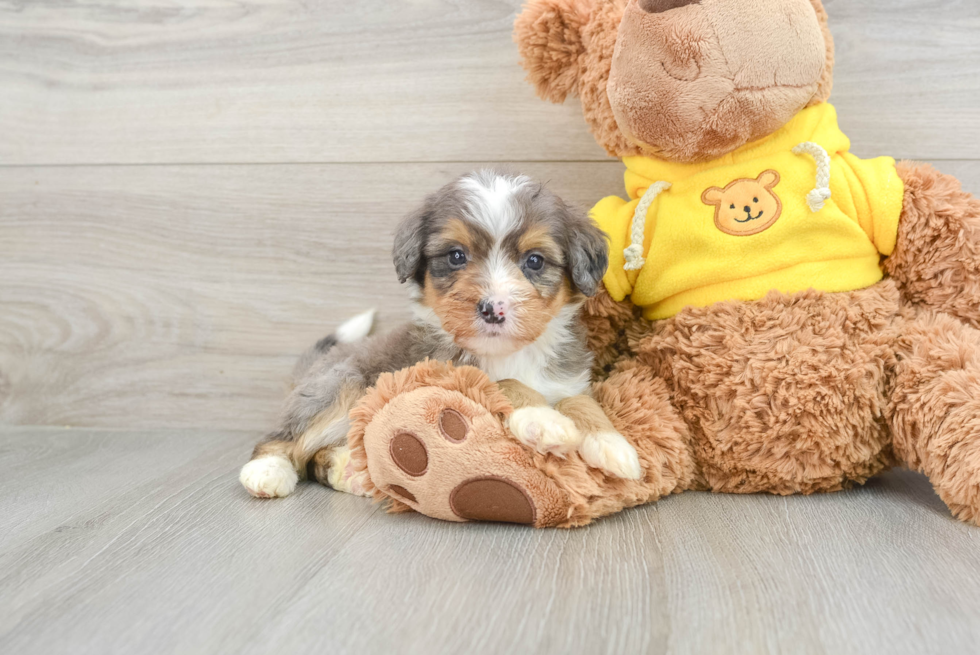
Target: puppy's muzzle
492	312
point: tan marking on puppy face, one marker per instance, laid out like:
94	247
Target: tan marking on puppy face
537	238
456	232
746	206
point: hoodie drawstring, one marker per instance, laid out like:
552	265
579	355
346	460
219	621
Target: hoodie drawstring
634	253
821	193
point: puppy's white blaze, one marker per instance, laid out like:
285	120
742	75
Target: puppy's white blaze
355	329
269	477
490	200
502	276
545	430
498	271
501	279
611	453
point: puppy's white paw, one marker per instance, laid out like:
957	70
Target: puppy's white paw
269	477
545	430
342	476
612	454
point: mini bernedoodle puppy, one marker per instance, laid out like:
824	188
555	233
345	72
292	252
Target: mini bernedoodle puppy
499	268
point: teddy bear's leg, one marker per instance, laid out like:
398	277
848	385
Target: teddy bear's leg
937	256
934	408
442	449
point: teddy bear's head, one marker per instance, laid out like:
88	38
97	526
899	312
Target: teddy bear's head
682	80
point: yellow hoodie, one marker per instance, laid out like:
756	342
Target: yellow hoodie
763	217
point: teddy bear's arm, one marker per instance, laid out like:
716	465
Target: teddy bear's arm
936	260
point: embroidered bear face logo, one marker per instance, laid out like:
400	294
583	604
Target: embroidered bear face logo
746	207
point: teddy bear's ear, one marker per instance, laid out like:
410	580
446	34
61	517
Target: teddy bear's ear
549	37
712	196
827	78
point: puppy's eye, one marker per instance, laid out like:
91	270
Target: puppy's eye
755	200
457	258
535	262
733	206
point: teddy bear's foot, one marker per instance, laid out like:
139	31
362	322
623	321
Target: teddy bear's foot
934	410
448	457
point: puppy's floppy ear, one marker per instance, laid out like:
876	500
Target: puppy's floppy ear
587	251
549	37
408	251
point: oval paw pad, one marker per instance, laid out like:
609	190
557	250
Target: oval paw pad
453	426
408	452
492	499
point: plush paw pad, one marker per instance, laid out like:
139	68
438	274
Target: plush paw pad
409	453
269	477
446	456
492	499
612	454
544	430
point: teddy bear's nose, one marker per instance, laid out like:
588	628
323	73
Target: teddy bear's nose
660	6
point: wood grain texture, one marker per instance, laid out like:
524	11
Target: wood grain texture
338	81
143	542
180	296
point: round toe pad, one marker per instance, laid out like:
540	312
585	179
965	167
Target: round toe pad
492	499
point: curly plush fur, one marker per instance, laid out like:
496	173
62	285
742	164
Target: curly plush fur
937	258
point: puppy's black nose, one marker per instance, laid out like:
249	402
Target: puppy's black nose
660	6
488	312
747	208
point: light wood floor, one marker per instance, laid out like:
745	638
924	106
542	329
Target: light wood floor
191	191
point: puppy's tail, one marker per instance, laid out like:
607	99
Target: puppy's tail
351	330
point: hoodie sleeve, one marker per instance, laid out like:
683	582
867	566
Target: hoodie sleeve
614	215
872	193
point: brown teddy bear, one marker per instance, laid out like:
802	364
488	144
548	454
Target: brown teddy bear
779	315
